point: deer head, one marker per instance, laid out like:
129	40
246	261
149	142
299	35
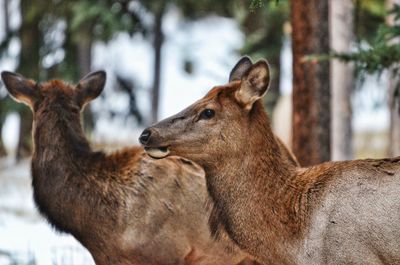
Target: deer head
42	96
217	123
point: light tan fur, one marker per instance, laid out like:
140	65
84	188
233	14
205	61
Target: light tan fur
333	213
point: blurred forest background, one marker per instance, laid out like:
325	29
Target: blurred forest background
334	93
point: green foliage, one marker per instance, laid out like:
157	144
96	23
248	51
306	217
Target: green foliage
263	28
380	53
256	4
103	19
368	15
195	9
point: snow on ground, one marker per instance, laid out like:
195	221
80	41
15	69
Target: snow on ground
23	232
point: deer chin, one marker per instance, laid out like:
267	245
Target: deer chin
157	152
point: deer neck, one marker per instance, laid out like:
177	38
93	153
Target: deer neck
58	136
60	163
255	200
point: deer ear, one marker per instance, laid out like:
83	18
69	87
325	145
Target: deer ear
254	84
21	89
90	87
240	68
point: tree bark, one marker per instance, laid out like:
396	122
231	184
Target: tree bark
311	89
3	110
273	91
394	130
25	132
6	13
157	44
84	48
2	148
393	102
29	66
342	79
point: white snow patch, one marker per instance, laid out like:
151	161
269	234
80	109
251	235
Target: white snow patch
209	43
10	132
23	232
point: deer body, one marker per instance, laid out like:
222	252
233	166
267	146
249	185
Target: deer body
125	207
333	213
357	213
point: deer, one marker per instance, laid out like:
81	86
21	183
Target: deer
124	207
333	213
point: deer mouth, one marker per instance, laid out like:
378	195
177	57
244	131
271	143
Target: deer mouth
157	152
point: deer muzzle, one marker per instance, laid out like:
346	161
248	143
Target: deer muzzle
152	149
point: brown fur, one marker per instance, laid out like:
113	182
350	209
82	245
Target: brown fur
333	213
124	207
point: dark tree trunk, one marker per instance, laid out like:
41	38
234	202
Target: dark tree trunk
84	52
25	132
68	67
3	110
311	89
394	107
6	13
29	65
2	148
273	94
157	44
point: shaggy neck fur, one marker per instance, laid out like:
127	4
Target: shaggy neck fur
61	164
244	184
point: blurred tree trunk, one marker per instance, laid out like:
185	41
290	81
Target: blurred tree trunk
157	45
84	53
274	93
311	90
29	66
2	118
342	79
3	115
6	16
68	67
25	132
394	130
394	105
3	110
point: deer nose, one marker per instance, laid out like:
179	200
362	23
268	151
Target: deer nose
145	136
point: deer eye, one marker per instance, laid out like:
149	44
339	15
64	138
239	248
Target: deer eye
207	114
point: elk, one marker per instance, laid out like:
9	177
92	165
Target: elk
333	213
124	207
